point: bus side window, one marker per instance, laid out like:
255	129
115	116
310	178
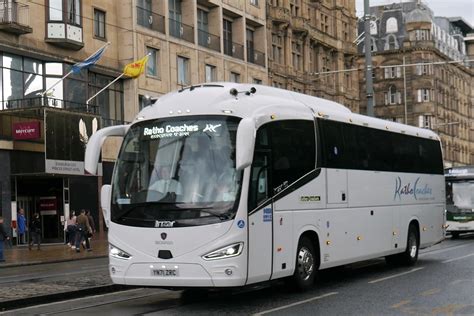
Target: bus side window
259	181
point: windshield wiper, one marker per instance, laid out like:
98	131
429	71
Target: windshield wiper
222	217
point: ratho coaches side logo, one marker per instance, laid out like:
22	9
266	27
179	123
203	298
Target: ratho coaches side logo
415	189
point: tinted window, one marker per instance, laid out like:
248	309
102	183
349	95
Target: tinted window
284	152
348	146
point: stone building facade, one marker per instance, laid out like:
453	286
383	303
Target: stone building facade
307	37
42	138
431	90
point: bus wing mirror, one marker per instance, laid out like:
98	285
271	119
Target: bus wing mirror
245	143
94	146
105	199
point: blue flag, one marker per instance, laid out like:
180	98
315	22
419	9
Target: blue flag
90	61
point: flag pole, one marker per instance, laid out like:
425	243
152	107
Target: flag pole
101	90
55	84
70	72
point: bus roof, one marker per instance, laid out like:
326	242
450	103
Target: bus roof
227	98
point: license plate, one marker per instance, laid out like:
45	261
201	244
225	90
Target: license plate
165	272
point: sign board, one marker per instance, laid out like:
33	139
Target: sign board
26	130
66	137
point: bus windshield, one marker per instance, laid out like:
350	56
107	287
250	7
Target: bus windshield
460	196
177	172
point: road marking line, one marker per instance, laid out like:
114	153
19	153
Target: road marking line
295	304
430	292
459	258
433	252
398	305
395	275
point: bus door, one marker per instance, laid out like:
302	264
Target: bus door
260	206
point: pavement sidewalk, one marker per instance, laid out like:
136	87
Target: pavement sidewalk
50	253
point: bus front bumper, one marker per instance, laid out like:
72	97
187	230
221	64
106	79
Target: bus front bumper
170	274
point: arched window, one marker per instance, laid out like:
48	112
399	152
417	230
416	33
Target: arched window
373	28
392	96
392	25
391	42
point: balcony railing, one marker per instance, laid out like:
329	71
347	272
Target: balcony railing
150	20
48	102
14	17
234	49
181	30
255	57
209	40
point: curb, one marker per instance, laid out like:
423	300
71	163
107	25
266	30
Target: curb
56	297
31	263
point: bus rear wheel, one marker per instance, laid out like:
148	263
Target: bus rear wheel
307	261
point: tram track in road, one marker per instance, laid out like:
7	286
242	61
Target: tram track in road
372	276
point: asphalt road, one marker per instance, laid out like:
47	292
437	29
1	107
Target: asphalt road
441	283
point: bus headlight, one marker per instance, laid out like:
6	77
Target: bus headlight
225	252
118	253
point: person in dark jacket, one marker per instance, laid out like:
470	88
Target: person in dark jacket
83	228
3	236
35	231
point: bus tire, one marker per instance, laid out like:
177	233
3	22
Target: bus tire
307	262
410	255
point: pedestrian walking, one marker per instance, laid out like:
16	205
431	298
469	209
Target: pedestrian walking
83	228
21	228
3	236
70	229
92	224
35	232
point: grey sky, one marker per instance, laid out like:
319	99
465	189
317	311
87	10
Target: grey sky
447	8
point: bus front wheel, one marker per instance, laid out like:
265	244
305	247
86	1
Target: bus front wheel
306	265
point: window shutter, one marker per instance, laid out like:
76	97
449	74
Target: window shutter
420	120
419	95
387	71
399	72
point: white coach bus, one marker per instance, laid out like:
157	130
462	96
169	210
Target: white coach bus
226	185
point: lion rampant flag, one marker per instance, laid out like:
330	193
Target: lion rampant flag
136	68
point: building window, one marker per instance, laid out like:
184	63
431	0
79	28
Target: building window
203	27
422	35
392	25
99	23
391	42
143	101
152	68
425	121
227	29
73	12
295	7
392	96
324	23
424	95
277	48
210	73
175	17
297	53
254	2
256	81
183	70
423	70
373	28
392	72
250	46
234	77
72	9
